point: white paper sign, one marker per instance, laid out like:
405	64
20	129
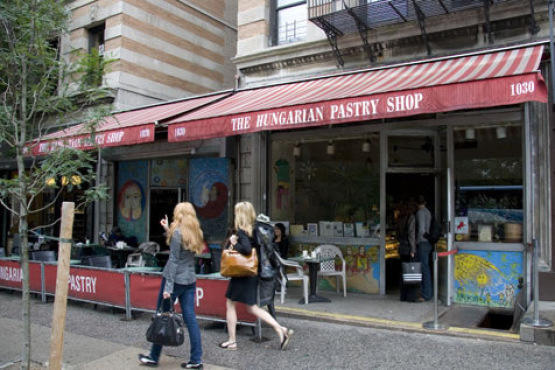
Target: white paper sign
461	225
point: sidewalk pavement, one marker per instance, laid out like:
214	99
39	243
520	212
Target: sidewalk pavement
80	352
545	336
389	313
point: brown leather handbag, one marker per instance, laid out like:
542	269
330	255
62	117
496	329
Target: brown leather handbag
236	264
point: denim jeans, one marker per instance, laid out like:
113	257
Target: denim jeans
186	296
424	251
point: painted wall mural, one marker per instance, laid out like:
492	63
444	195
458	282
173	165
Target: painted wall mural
363	268
208	191
169	173
131	198
487	278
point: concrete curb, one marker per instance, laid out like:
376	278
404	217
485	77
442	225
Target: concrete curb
373	322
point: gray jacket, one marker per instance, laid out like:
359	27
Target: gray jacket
180	268
423	221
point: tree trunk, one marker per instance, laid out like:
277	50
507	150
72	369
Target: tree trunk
23	232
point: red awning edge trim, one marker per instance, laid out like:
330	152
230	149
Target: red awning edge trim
124	136
485	93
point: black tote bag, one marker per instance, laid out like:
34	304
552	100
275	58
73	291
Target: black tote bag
166	328
412	272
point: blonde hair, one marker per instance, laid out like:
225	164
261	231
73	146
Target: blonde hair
185	220
244	217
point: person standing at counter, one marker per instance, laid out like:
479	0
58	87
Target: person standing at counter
423	222
185	239
244	289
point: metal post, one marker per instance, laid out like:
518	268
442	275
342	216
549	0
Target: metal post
128	315
551	9
435	325
42	284
536	321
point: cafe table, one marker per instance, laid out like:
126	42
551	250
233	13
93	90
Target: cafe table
121	254
313	264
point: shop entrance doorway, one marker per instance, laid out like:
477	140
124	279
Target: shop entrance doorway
162	203
403	190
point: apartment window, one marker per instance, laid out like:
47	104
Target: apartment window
96	38
291	18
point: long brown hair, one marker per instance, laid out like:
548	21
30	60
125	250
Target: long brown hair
185	220
244	217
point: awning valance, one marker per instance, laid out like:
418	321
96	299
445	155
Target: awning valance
124	128
488	79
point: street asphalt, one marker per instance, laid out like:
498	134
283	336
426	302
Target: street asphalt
100	339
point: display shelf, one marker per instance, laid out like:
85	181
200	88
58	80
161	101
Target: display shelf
337	240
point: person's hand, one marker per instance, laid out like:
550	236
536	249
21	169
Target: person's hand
412	254
233	239
164	223
166	295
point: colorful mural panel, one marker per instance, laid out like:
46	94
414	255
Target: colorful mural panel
169	173
487	278
209	192
131	198
362	264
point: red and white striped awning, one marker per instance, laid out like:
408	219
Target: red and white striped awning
125	128
469	81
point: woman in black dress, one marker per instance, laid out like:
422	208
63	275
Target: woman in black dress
244	289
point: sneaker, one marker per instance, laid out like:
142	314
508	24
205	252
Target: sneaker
191	365
147	360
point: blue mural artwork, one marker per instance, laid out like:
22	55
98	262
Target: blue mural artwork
169	173
131	198
487	278
208	191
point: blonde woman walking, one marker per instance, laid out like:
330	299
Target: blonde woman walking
244	289
185	239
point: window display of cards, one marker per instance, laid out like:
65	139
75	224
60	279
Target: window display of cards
348	230
362	230
326	228
297	230
312	229
337	228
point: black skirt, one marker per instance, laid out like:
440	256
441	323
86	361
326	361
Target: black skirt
243	289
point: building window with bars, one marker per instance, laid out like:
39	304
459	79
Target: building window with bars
290	21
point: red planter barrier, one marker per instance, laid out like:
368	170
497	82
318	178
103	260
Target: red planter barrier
210	296
97	285
11	275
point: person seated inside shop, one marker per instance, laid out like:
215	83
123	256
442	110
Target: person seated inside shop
117	235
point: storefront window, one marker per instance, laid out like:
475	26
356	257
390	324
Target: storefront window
327	181
489	184
411	151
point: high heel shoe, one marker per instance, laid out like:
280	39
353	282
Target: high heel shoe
286	337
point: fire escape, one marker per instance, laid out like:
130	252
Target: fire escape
339	17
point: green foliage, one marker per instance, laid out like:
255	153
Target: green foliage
91	68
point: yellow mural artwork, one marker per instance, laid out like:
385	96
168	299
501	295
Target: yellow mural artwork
469	267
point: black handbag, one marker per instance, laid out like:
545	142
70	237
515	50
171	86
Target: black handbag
166	328
412	272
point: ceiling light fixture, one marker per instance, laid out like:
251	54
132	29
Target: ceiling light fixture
366	146
470	134
330	149
297	150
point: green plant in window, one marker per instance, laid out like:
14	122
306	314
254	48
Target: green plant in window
92	66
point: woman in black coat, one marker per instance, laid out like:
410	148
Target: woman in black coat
244	289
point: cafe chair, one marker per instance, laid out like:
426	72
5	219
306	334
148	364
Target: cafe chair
45	256
135	260
295	276
328	268
99	261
